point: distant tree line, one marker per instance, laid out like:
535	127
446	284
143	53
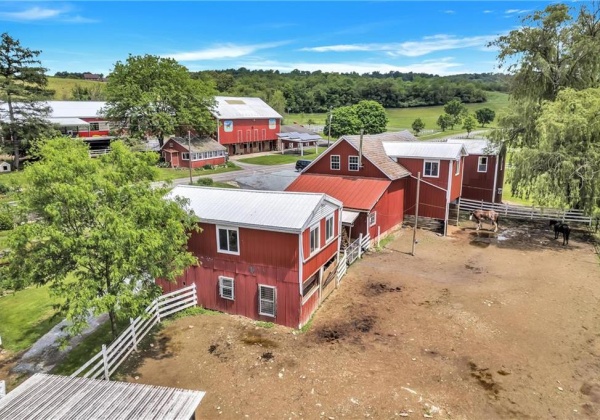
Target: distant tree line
303	91
73	75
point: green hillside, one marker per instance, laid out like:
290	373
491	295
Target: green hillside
63	88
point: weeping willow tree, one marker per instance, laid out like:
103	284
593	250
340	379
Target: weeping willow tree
554	58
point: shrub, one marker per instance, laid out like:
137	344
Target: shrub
207	167
4	189
207	182
6	220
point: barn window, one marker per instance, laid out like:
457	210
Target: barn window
372	218
431	168
457	168
482	164
94	126
228	240
226	288
267	300
314	239
353	163
310	284
185	156
329	228
335	162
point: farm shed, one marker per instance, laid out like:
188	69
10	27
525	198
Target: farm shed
5	166
266	255
201	151
483	174
60	397
246	125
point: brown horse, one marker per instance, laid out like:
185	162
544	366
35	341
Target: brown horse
480	215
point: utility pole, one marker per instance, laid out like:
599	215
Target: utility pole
190	154
416	214
330	118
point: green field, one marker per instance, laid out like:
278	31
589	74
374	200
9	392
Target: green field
279	159
63	88
402	118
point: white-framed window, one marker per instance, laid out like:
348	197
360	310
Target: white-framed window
228	240
267	300
334	162
482	164
185	156
226	288
314	238
329	228
431	168
372	218
94	126
353	163
457	167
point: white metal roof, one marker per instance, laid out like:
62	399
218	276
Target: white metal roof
68	121
349	216
425	150
242	108
265	210
77	109
477	147
61	397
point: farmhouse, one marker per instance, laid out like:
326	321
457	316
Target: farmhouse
246	125
483	177
200	151
266	255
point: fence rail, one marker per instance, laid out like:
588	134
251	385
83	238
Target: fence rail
106	362
527	212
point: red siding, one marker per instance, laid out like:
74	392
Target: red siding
344	149
309	307
480	185
432	200
312	264
249	135
500	182
416	165
92	133
389	208
456	186
176	162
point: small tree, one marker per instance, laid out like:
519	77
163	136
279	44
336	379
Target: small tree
444	121
367	115
418	125
485	116
469	124
456	110
102	234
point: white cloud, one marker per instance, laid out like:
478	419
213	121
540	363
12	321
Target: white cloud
449	12
516	11
222	51
425	46
488	11
31	14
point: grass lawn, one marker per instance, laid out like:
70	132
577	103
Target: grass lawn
168	174
279	159
63	88
402	118
13	179
25	316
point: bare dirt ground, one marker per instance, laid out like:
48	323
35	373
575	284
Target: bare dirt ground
476	325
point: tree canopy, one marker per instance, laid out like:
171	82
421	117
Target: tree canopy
469	124
22	85
150	95
367	115
418	125
485	116
101	234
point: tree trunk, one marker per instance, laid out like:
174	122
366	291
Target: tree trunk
13	136
161	140
113	323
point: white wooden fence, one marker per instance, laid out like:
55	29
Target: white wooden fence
352	252
106	362
527	212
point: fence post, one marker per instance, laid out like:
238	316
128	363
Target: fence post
481	204
378	235
505	209
195	294
105	362
157	312
360	245
531	213
2	389
346	255
133	337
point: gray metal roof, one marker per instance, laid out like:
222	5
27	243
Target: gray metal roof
70	109
299	137
60	398
242	108
265	210
425	150
477	146
296	128
68	121
199	144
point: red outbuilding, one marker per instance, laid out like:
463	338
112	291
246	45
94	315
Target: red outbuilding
483	177
246	125
266	255
200	152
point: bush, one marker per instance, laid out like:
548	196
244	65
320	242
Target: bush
207	182
4	189
6	220
207	167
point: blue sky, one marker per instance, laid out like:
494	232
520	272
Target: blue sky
428	36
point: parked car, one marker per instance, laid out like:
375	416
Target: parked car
301	164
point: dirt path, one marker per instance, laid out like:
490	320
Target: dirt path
474	326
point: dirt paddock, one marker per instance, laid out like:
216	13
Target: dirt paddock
476	325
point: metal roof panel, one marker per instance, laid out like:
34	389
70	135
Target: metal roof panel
242	108
425	150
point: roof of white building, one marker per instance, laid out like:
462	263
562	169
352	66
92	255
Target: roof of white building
75	109
242	108
264	210
425	150
477	146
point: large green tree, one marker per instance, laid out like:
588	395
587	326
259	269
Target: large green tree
150	95
101	233
22	87
369	116
455	109
485	116
555	49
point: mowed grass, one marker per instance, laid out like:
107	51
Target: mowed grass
402	118
25	316
63	88
169	174
279	159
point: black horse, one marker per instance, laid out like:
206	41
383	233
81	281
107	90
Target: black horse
563	228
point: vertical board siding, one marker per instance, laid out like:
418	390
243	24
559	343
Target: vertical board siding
416	165
245	125
479	185
309	307
389	208
456	179
318	260
500	181
432	200
344	149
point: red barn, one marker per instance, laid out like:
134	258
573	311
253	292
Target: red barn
483	177
265	255
202	151
368	183
246	125
441	168
79	118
